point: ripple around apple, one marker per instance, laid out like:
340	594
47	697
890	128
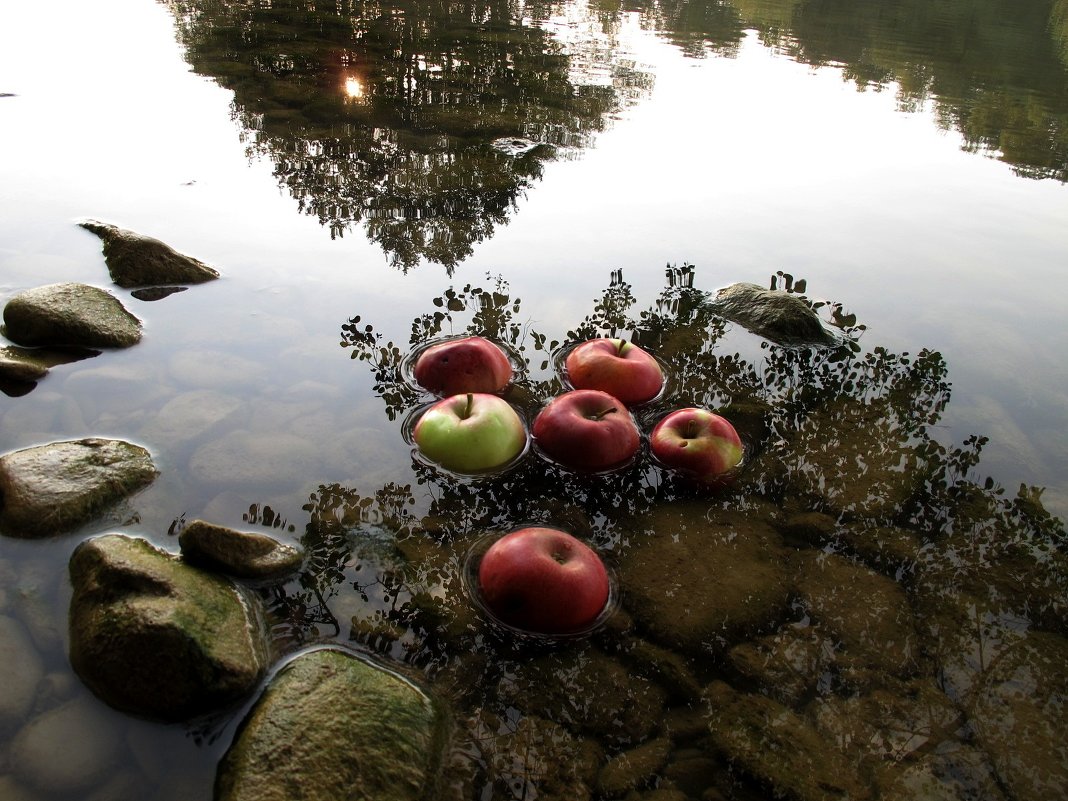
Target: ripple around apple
558	359
469	579
408	427
407	366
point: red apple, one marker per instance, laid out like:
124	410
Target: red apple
698	442
617	367
470	364
543	580
470	433
586	429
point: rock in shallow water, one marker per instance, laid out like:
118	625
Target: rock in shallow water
332	726
776	315
136	260
244	554
70	315
53	488
152	636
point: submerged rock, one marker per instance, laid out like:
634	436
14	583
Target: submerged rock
333	726
49	489
772	314
697	583
244	554
634	768
153	636
70	314
779	748
135	260
22	673
20	364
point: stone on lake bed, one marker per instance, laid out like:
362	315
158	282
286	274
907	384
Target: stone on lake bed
22	673
779	316
135	260
49	489
70	315
330	726
156	637
243	554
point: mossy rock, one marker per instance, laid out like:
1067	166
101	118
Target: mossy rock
70	314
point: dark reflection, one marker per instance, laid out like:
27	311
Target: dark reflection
424	121
994	70
857	612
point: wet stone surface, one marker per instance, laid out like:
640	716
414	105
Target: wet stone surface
70	314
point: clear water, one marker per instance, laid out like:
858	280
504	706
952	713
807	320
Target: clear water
907	161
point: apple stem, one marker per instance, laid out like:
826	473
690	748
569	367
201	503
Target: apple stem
691	430
467	408
602	415
622	344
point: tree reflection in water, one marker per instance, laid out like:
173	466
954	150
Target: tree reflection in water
917	595
423	121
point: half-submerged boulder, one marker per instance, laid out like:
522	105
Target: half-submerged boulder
779	316
71	314
332	726
155	637
135	260
53	488
244	554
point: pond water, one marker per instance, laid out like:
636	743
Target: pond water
368	178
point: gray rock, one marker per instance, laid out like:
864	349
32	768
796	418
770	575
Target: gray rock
243	459
70	315
190	416
333	726
69	749
21	670
136	260
155	637
772	314
19	364
778	748
697	583
54	488
244	554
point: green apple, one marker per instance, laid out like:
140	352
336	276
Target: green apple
470	433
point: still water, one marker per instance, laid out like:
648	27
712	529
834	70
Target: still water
369	177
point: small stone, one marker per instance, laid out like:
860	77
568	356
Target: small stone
634	768
780	316
136	260
244	554
21	670
70	315
50	489
70	749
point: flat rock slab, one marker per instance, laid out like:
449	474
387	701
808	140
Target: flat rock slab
772	314
155	637
61	315
135	260
332	726
49	489
244	554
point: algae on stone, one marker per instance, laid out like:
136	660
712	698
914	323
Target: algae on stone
155	637
332	726
49	489
71	314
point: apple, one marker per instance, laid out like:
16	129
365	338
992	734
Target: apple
470	364
698	442
586	429
615	366
543	580
470	433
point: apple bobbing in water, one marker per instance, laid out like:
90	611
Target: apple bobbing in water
543	580
586	429
469	364
697	441
470	433
620	368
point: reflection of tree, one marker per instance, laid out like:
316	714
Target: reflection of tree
842	435
1002	85
388	116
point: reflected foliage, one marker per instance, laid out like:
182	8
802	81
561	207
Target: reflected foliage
424	121
901	562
